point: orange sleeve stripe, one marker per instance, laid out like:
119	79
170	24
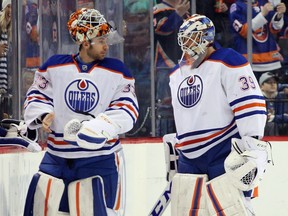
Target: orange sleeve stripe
131	108
36	97
244	30
248	106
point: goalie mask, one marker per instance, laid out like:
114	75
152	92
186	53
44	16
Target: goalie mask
195	35
86	24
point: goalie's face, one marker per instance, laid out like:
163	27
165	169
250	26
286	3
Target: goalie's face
96	49
192	44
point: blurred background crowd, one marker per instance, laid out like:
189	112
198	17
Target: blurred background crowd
33	30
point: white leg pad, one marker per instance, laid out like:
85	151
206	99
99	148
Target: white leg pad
120	201
223	198
188	195
83	200
48	195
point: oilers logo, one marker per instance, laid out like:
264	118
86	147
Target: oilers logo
190	91
81	95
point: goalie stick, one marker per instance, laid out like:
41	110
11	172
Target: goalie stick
11	135
22	142
162	202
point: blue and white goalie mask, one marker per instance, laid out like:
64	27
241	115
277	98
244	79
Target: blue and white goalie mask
195	35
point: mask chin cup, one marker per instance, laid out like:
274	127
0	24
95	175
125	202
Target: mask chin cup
187	62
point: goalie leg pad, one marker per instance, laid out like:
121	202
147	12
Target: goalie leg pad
171	155
44	195
86	197
188	195
224	199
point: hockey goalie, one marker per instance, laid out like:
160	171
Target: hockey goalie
84	102
220	115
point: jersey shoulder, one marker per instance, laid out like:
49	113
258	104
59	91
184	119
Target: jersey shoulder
228	57
116	65
57	60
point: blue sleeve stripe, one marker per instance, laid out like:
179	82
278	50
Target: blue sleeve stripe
39	101
126	99
246	98
258	112
127	111
37	92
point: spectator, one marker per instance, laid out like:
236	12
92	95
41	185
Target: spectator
5	39
32	43
265	22
218	12
277	112
168	16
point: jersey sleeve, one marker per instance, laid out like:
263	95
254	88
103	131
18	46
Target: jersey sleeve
244	96
38	99
238	19
123	109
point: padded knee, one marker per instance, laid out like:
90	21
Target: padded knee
44	195
223	198
86	197
188	195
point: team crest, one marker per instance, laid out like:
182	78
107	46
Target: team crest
261	34
81	95
190	91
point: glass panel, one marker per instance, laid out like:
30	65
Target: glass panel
41	31
137	58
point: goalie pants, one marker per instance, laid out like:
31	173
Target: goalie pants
74	169
210	163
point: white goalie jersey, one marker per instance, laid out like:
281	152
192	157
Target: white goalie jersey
218	100
80	91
